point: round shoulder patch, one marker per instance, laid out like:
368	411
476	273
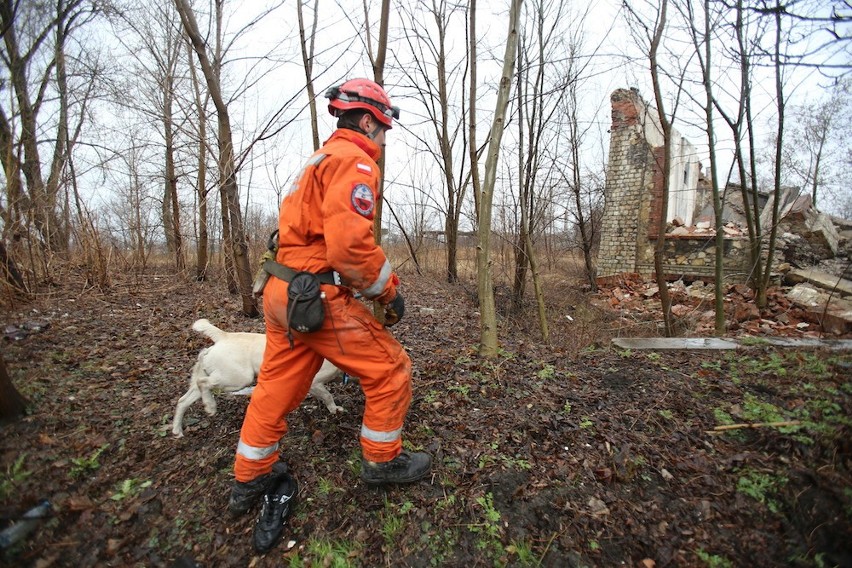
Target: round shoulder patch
362	200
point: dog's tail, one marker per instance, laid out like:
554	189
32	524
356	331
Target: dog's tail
208	329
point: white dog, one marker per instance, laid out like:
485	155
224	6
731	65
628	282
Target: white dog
232	364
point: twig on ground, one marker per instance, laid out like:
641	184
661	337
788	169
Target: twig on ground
726	427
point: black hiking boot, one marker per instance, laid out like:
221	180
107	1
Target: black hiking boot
244	494
277	506
404	468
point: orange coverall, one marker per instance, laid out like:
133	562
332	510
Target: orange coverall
326	223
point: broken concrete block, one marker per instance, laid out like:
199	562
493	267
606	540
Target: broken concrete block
820	279
834	314
822	236
804	295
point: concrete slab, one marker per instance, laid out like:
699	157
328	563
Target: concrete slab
670	343
821	279
716	343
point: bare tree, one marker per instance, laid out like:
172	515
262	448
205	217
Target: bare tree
133	200
485	291
157	56
201	190
439	84
702	42
307	44
473	154
226	163
586	195
821	134
542	83
665	167
741	124
34	34
654	35
780	102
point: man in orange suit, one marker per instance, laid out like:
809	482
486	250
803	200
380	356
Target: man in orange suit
326	228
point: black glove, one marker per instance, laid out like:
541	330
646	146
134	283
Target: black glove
395	310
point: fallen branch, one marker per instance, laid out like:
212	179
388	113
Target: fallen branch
727	427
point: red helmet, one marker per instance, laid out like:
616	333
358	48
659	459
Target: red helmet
363	94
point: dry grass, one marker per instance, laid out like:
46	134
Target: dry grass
571	317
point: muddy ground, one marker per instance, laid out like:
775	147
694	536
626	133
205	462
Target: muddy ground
568	454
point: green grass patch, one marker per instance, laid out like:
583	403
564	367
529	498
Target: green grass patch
327	553
761	487
84	466
15	475
713	560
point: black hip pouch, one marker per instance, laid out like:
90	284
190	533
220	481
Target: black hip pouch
305	309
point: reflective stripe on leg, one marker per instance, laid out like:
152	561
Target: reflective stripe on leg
253	453
381	437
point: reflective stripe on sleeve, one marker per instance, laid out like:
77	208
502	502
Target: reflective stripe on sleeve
376	436
379	285
252	453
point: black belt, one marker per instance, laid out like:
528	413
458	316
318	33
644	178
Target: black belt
286	273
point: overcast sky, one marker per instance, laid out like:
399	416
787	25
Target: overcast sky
276	84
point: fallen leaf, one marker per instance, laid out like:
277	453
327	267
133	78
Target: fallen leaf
79	503
598	507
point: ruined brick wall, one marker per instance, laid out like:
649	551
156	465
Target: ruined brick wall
629	187
694	257
634	204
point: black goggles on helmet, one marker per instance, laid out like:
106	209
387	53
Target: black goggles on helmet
336	93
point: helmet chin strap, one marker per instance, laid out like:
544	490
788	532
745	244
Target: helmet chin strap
373	133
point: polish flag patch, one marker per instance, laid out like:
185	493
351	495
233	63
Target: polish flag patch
364	168
362	200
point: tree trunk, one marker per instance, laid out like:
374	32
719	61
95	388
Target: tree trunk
762	295
202	260
585	226
9	272
451	234
40	211
539	294
62	148
485	290
12	403
171	214
472	148
15	197
665	299
519	283
378	62
521	260
719	268
308	63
